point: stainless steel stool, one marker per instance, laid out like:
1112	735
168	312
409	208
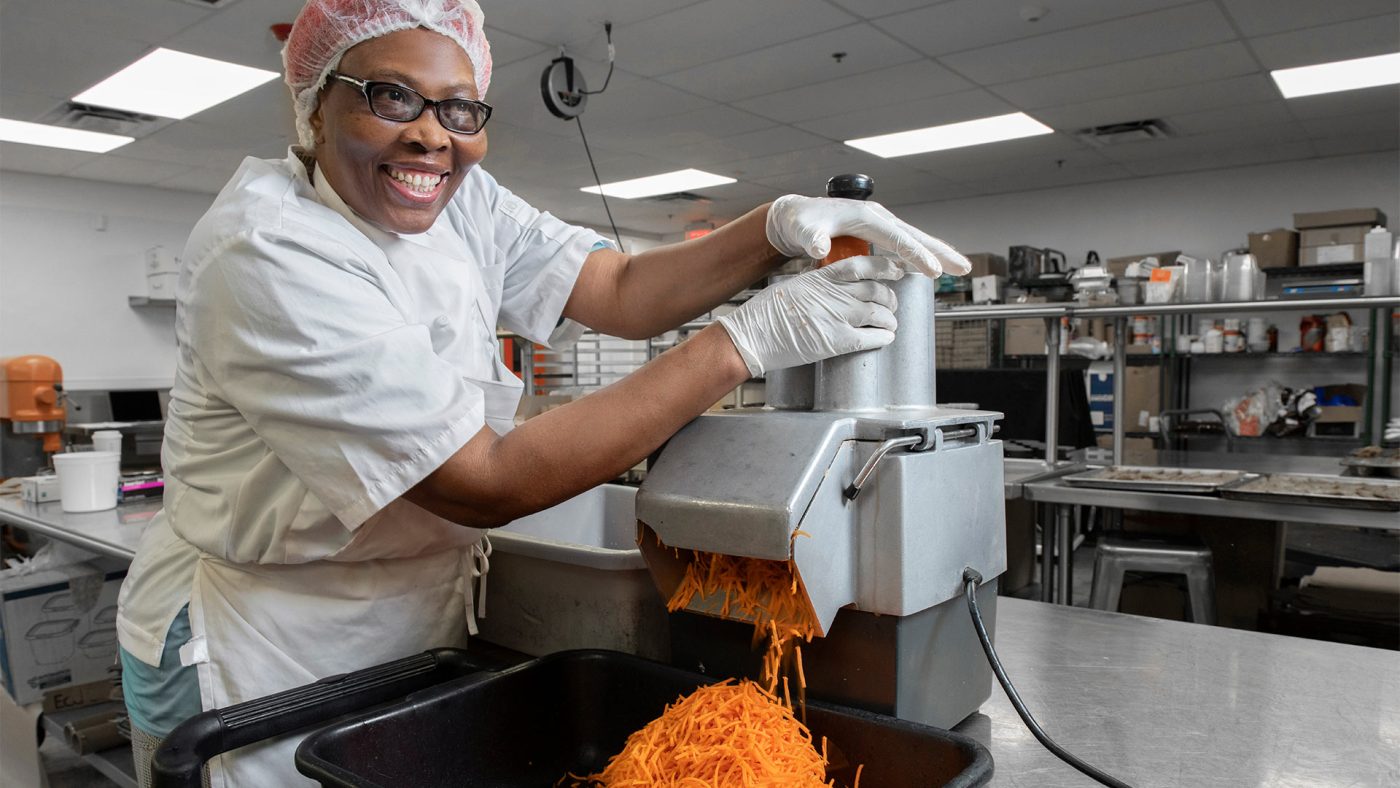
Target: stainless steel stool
1116	555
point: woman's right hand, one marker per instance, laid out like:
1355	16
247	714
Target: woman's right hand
830	311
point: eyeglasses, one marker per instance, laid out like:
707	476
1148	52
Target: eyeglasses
398	103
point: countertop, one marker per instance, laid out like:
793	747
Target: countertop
1167	703
113	532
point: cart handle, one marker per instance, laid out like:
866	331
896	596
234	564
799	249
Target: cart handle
179	761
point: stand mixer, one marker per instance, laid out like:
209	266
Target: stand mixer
894	497
31	404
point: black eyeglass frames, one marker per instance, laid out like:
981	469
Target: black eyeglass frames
395	102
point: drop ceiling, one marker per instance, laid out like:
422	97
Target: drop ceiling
752	89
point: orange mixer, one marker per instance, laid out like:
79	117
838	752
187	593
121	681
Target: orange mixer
31	398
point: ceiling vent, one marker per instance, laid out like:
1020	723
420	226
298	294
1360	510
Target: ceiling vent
1122	133
105	120
679	197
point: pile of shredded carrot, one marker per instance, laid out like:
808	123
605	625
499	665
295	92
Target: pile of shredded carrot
725	734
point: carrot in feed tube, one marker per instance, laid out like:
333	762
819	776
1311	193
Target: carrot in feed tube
843	246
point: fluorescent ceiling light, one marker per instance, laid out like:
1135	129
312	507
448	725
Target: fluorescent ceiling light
952	135
59	137
665	183
1363	72
172	84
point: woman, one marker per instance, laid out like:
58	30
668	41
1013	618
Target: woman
339	432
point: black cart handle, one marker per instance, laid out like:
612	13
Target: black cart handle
180	759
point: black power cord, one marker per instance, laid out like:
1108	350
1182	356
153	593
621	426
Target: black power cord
612	55
971	579
599	181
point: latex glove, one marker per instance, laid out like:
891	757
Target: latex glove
825	312
800	225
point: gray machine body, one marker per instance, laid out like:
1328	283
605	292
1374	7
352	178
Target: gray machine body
878	497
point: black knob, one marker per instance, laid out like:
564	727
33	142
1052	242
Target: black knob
851	187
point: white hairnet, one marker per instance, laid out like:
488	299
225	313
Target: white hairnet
325	29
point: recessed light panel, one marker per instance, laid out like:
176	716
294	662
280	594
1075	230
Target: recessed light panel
1363	72
952	135
59	137
665	183
172	84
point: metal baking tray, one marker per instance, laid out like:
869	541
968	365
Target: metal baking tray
1374	466
1342	494
1195	481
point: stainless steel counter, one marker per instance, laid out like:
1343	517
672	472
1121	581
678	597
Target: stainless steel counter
113	532
1017	472
1165	703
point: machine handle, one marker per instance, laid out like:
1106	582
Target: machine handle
179	761
885	448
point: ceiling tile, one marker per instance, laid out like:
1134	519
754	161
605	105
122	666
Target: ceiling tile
905	82
673	135
639	100
195	144
909	115
111	167
872	9
719	29
198	179
794	64
547	22
1169	30
27	56
239	33
1361	142
713	154
1268	113
1048	148
1262	17
1375	35
19	105
1191	162
1049	179
831	159
38	159
1218	61
507	48
1373	123
1250	89
968	24
1385	98
148	21
1203	144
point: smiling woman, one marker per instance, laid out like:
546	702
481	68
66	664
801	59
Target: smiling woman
341	428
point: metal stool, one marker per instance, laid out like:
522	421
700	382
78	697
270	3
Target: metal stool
1116	555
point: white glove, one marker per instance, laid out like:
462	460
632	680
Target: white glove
822	313
800	225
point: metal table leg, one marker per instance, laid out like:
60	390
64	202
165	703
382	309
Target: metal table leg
1064	532
1047	552
1052	391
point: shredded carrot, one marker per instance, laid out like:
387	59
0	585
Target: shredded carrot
725	734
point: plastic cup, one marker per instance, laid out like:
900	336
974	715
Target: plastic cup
107	440
87	481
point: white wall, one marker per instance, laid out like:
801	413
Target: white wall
73	250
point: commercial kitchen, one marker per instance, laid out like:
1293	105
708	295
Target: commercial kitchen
969	392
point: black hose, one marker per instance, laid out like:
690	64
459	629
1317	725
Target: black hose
970	581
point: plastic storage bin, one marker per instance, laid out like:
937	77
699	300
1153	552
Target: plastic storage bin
572	577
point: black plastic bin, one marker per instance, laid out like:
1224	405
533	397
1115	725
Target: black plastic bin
571	711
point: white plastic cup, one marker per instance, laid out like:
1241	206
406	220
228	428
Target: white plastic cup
87	480
107	440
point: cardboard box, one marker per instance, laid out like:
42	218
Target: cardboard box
58	626
1275	248
1117	265
986	264
1024	337
1327	236
1142	399
1334	414
987	289
1338	218
1331	255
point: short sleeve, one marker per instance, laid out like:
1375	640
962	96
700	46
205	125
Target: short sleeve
305	341
542	256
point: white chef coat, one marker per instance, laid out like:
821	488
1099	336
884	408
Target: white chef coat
324	368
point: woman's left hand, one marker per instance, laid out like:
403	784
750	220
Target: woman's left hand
800	225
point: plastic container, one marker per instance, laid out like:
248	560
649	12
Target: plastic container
107	440
87	481
570	712
572	577
52	641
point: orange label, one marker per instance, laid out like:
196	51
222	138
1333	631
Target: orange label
1160	275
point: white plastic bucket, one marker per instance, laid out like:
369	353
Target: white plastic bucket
107	440
88	480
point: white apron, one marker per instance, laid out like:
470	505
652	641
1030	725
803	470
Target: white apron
402	585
